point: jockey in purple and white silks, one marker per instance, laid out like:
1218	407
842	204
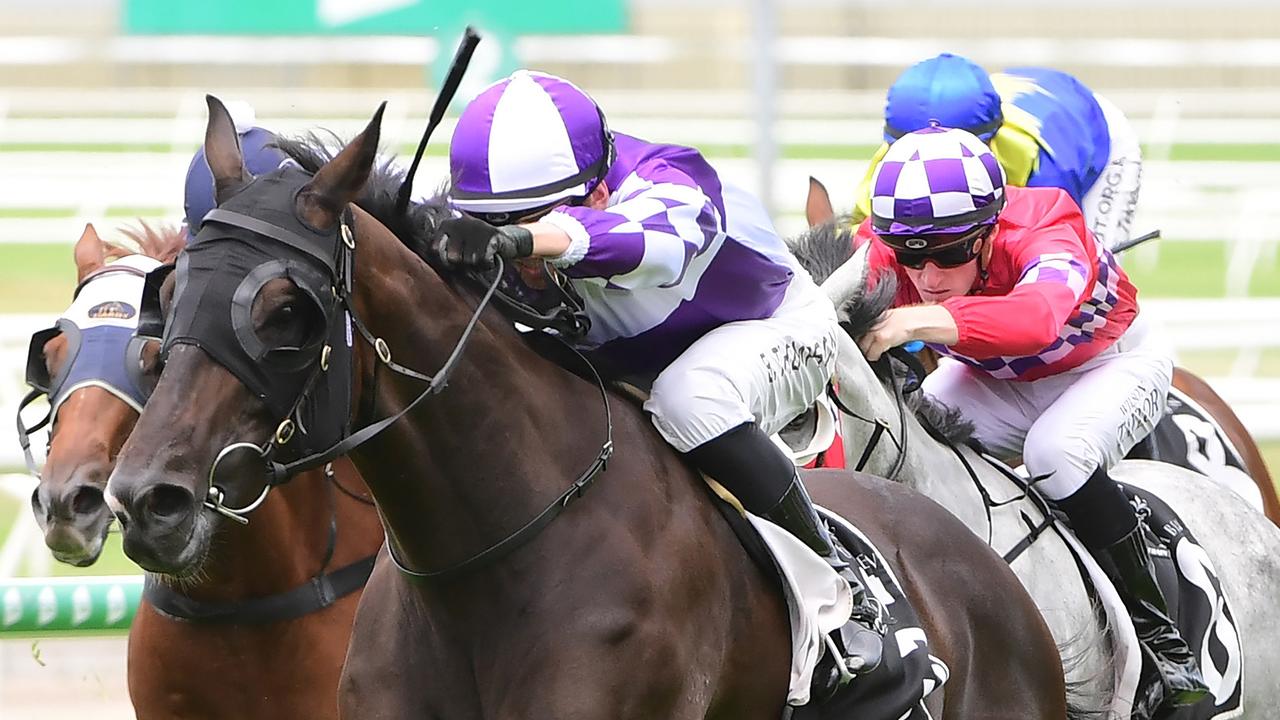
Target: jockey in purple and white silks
682	275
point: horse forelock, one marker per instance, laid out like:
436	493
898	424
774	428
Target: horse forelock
869	304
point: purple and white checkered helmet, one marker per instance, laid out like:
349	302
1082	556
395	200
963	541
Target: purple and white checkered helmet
935	182
526	142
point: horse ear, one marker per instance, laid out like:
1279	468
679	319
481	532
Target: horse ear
89	252
222	151
817	207
342	178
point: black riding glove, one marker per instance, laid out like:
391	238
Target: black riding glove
470	242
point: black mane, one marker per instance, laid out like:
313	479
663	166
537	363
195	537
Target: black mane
414	227
823	248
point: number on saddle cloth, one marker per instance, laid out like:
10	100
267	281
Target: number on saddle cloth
1188	437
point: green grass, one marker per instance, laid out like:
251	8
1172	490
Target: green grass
36	278
1194	269
1222	152
94	147
1271	453
36	213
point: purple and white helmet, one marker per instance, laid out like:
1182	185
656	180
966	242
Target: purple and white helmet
526	142
936	181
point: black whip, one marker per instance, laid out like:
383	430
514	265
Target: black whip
448	88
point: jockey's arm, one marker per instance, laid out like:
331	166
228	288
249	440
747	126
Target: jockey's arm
1033	314
928	322
646	240
549	241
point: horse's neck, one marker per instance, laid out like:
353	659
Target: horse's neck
929	466
473	463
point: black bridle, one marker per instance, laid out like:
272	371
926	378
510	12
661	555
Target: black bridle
342	244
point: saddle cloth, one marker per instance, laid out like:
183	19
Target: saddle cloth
1196	603
819	602
1189	437
1199	608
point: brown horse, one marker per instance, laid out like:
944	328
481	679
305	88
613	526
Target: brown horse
238	650
628	597
818	210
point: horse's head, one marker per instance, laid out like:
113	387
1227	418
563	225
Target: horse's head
96	379
253	321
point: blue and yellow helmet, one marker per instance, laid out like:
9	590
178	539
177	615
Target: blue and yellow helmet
949	89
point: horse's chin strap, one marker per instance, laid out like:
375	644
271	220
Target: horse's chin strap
317	593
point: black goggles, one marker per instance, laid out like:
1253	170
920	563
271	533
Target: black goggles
498	219
953	255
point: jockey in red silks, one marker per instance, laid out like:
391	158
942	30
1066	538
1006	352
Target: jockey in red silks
1043	346
682	275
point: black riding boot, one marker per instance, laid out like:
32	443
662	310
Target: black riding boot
764	480
862	637
1107	524
1131	570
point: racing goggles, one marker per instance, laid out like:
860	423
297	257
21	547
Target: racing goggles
498	219
951	255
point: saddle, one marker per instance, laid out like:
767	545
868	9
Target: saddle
908	673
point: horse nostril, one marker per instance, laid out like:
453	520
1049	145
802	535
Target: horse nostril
37	504
87	500
167	501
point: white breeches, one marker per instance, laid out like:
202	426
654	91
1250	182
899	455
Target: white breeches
1067	425
767	371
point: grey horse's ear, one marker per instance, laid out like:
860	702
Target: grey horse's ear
849	279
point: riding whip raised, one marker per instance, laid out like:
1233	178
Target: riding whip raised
448	88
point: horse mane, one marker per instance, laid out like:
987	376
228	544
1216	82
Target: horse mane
824	247
414	227
162	242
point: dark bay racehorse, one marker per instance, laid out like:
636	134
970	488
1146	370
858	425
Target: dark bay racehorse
636	602
819	210
255	661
